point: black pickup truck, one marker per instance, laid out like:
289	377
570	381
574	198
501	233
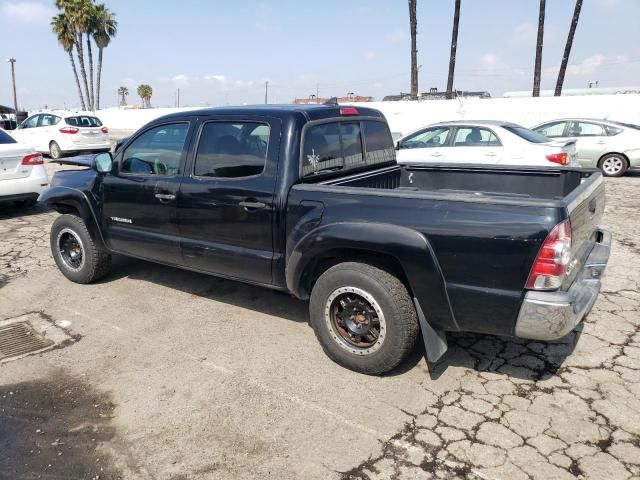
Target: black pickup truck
310	200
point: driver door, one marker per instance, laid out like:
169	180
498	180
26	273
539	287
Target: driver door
140	195
428	145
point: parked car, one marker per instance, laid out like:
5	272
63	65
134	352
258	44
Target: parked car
22	173
309	199
57	136
484	142
613	147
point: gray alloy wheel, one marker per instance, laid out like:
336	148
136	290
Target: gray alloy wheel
613	165
55	151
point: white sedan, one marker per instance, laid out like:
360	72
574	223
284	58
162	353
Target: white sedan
484	142
56	135
22	173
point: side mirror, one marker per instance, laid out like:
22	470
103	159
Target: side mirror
103	162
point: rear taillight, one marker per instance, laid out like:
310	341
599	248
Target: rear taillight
551	264
104	130
347	111
32	159
69	130
561	158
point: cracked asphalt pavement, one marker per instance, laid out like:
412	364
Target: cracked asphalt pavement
176	375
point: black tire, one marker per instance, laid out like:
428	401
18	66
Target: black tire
613	165
54	151
94	262
386	293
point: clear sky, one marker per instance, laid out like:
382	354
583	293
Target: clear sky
222	51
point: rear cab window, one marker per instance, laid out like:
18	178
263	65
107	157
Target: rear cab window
346	145
83	121
5	138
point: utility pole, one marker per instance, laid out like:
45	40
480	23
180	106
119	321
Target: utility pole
266	92
317	93
178	98
12	61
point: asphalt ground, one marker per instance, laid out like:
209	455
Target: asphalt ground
158	373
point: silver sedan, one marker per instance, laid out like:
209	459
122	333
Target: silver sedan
613	147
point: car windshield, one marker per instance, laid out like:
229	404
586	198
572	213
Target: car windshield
83	121
5	138
628	125
526	134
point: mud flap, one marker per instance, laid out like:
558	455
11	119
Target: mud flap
435	341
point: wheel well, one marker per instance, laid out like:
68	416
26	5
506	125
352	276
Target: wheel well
65	208
328	259
626	159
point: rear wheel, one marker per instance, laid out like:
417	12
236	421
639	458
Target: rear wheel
363	317
55	151
78	257
613	165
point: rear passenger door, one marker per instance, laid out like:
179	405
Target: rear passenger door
592	141
139	197
226	200
475	145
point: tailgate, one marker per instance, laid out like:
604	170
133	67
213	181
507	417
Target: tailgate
585	208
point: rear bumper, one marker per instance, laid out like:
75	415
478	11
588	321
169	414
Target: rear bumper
36	183
552	315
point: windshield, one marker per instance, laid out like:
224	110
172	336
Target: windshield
83	121
628	125
526	134
6	138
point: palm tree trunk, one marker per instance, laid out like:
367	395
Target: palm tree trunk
567	48
90	55
98	78
75	74
414	52
538	65
454	46
83	71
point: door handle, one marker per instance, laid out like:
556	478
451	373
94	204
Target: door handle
490	154
602	142
436	154
165	196
247	205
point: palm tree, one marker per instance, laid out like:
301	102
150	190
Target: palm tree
123	92
64	31
78	13
145	92
413	22
454	46
538	64
104	29
567	48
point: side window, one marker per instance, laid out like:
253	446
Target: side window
429	138
611	131
32	122
156	152
334	145
552	130
47	120
586	129
475	137
232	149
378	143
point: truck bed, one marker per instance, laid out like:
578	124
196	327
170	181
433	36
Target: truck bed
479	181
484	225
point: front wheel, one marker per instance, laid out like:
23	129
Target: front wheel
363	317
613	165
78	257
55	151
